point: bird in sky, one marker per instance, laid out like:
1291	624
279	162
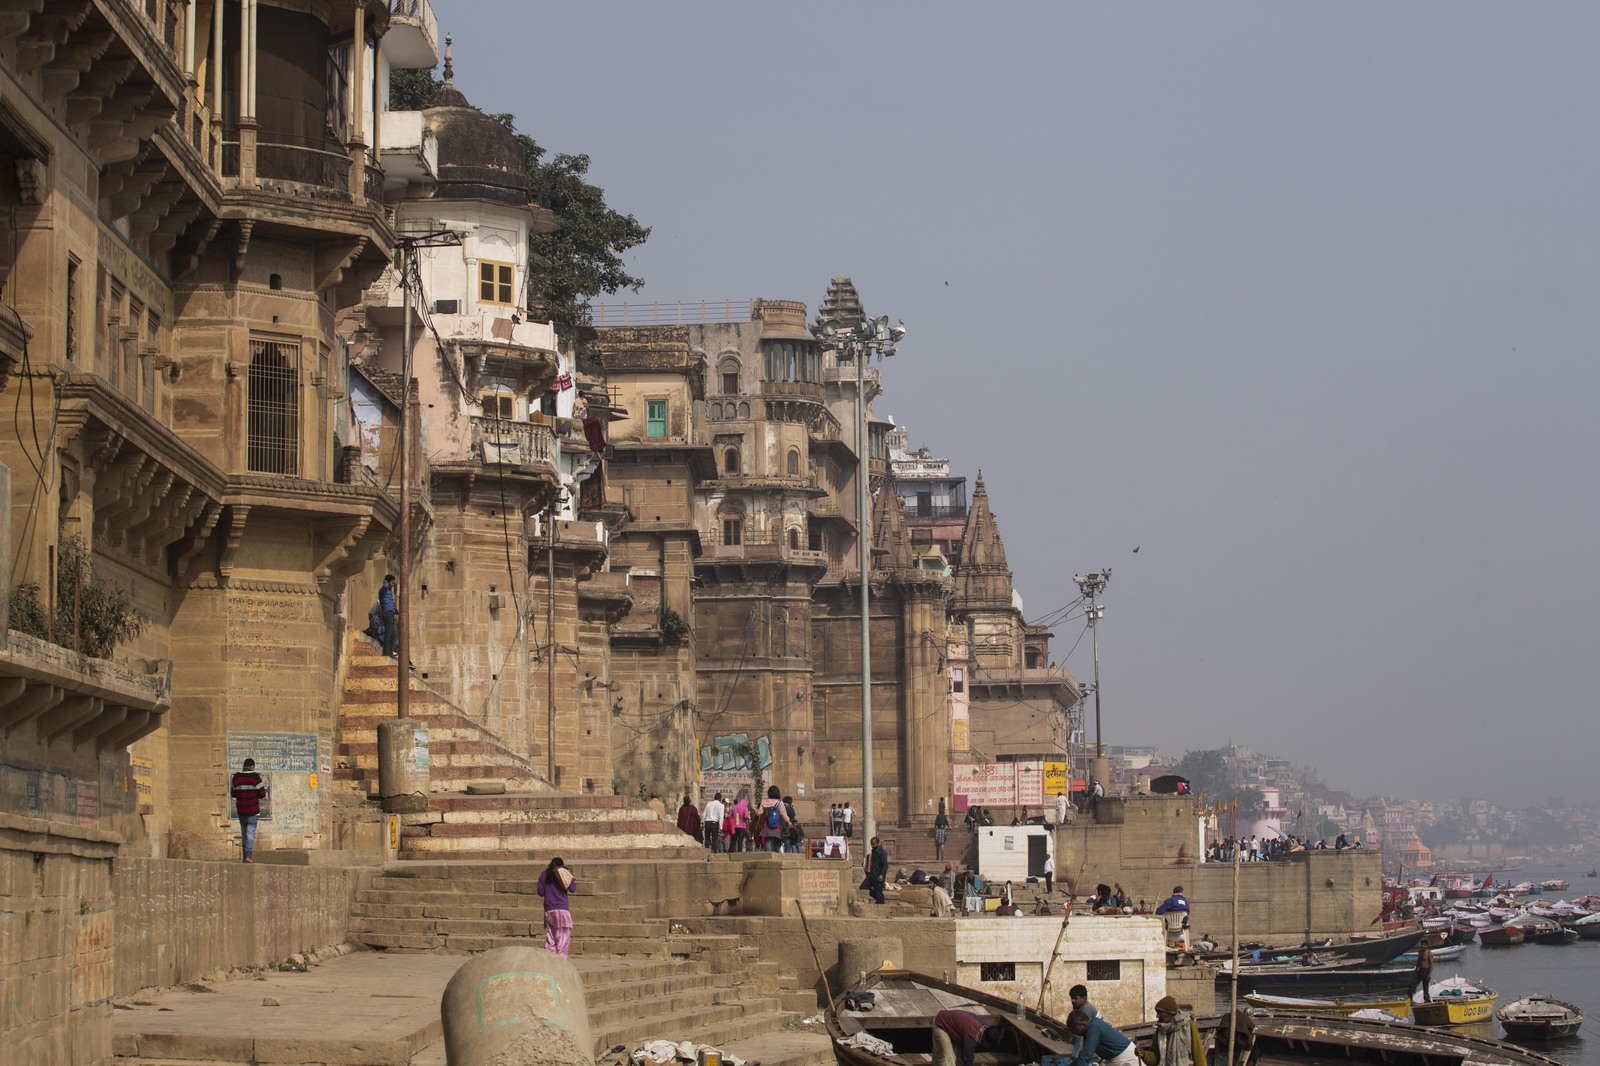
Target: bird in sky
1136	549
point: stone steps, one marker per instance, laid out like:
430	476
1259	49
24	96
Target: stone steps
460	750
527	825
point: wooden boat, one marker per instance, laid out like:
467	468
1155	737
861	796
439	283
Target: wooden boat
1454	1001
1369	950
1555	884
1538	1017
1500	936
1345	1006
1287	1038
1536	930
1588	928
1462	933
901	1015
1444	954
1326	979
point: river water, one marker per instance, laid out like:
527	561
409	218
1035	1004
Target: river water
1570	972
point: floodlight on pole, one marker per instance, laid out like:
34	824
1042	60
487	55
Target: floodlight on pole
867	337
1091	586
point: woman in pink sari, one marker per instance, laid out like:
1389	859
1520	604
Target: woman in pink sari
554	884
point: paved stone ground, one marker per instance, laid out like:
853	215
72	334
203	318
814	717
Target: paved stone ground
362	1009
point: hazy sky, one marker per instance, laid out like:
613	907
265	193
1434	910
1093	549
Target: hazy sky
1298	299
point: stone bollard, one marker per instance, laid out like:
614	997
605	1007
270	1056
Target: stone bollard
865	955
516	1007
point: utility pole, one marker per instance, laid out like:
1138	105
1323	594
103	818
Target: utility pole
1091	586
402	743
859	342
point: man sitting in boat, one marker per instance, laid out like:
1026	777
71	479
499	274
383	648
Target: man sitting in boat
967	1031
1101	1042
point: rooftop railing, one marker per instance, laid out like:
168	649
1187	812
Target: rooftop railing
669	314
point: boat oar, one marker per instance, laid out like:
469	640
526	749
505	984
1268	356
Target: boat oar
806	926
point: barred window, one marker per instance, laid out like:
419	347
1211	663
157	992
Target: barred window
273	433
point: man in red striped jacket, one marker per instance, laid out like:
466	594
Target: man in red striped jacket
248	791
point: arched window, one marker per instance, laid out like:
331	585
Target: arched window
272	431
794	539
729	370
730	461
732	528
794	461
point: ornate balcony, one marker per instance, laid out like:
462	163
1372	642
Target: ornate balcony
520	444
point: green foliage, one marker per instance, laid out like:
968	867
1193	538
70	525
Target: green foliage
92	616
673	627
582	258
411	90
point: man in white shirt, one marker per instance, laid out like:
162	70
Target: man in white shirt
711	829
848	817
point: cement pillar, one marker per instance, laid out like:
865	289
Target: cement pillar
857	957
403	765
516	1005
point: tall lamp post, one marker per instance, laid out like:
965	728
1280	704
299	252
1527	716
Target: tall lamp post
858	342
1092	585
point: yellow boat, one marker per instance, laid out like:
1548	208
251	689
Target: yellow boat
1455	1001
1326	1006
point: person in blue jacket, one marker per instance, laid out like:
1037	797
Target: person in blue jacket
1101	1042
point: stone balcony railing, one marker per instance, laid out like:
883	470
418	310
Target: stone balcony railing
504	441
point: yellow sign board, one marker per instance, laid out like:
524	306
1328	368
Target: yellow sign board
1055	779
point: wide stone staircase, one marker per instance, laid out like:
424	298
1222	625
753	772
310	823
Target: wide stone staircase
521	817
709	988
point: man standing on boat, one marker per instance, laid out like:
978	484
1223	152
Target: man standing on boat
1423	974
965	1030
1178	1039
1101	1042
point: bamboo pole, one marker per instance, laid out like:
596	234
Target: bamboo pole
1233	1004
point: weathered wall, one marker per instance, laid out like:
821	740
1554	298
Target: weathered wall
177	920
56	942
1336	892
1122	961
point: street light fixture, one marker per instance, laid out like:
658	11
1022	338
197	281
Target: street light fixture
1092	585
858	342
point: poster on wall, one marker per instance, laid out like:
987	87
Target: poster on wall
730	762
287	762
987	784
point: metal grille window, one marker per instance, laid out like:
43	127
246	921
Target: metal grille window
273	433
72	308
1103	970
113	349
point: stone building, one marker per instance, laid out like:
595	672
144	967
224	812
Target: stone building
735	463
508	609
189	195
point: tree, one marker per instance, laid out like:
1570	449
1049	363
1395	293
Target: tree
583	257
411	89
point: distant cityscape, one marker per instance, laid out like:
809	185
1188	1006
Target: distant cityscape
1268	795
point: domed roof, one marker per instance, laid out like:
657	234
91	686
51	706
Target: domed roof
479	157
